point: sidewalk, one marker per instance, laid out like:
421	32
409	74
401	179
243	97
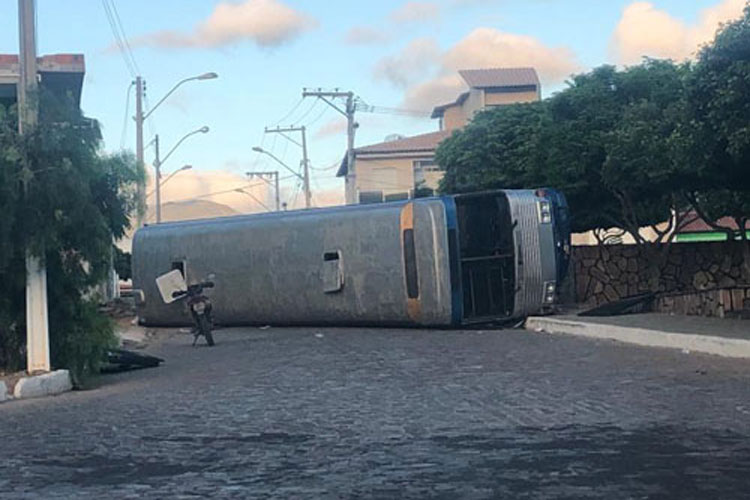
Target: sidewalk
721	337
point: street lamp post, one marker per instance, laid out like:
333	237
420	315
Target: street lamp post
304	179
140	118
158	162
275	175
251	195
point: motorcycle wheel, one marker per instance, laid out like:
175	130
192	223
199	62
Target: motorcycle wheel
205	326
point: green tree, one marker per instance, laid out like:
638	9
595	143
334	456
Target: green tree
65	201
607	141
716	133
604	140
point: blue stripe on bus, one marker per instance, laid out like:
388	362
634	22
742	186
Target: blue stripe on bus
451	222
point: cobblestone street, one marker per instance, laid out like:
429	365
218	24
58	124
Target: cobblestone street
389	413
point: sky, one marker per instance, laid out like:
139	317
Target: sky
392	53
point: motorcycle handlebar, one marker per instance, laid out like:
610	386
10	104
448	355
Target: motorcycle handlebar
208	284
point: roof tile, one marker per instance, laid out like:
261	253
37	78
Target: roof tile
417	143
500	77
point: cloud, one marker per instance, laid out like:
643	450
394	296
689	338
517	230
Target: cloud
412	63
335	126
267	23
416	12
644	30
365	35
482	48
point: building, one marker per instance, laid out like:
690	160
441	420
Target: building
403	167
61	74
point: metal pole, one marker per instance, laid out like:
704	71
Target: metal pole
351	177
306	170
37	320
141	188
157	167
278	206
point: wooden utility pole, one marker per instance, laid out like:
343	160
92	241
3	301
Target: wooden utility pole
37	322
351	128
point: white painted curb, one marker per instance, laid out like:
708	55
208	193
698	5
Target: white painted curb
48	384
720	346
3	391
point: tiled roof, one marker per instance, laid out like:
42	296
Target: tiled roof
500	77
426	143
439	110
417	143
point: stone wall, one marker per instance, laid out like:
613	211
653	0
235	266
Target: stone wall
719	302
606	274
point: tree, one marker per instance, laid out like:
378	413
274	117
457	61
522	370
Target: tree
604	141
717	131
65	201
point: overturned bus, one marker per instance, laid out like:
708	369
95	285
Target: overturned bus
443	261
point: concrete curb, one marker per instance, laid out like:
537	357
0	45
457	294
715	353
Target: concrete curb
48	384
3	391
719	346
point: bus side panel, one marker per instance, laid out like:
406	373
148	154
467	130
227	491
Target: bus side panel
273	268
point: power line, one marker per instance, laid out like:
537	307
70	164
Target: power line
123	136
127	56
320	115
290	111
226	191
315	103
330	167
124	35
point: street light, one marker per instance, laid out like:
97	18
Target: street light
181	169
240	190
158	162
204	76
259	149
275	175
140	117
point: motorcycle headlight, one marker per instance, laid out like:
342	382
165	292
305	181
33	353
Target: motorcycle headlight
199	307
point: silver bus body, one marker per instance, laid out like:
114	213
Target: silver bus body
443	261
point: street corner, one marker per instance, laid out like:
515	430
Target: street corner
714	336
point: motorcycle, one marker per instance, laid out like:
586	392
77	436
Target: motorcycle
200	309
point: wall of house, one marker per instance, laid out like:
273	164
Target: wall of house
498	98
606	274
473	104
389	175
453	118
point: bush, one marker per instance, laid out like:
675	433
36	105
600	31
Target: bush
75	201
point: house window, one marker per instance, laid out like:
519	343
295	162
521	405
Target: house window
370	197
426	165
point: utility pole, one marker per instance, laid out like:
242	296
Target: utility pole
141	188
305	161
37	320
157	167
351	128
275	175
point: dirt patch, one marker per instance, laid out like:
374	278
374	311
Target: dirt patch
11	379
